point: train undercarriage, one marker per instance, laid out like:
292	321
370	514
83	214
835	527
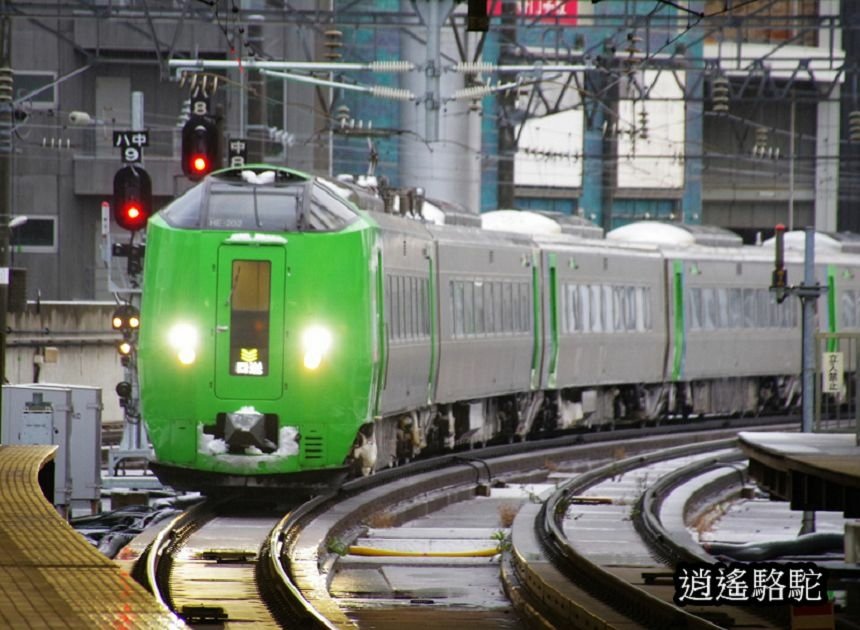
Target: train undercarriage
399	438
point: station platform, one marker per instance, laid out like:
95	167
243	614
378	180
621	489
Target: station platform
814	471
50	576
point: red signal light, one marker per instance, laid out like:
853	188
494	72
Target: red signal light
200	164
134	217
132	198
200	147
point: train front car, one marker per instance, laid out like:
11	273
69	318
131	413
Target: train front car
257	360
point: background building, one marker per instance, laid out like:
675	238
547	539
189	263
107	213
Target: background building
700	111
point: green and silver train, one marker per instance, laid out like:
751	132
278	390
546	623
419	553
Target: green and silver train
294	332
264	360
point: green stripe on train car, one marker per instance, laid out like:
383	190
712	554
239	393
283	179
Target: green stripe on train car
553	320
832	305
679	324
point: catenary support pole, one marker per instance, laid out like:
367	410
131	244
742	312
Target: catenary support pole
808	302
808	359
5	182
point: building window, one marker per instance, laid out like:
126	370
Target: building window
37	236
28	82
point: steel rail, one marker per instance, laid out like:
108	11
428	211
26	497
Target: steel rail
441	474
155	561
638	604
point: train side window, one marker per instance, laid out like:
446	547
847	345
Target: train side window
635	305
722	308
416	306
575	321
507	307
567	304
395	308
781	315
847	308
791	313
405	311
409	282
489	312
646	309
736	308
585	305
480	325
525	306
515	307
709	309
630	310
517	297
857	307
607	312
762	308
594	312
469	307
457	306
694	309
496	310
749	308
773	312
406	304
619	307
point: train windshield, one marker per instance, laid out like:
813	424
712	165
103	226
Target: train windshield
297	207
275	211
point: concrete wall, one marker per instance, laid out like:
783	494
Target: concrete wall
85	348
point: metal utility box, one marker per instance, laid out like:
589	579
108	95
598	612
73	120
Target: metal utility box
68	416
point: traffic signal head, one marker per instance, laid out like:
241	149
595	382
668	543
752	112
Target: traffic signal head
124	391
200	150
132	198
125	318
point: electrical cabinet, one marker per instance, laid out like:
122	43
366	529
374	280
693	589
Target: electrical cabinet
68	416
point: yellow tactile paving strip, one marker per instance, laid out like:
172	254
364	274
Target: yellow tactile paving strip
50	576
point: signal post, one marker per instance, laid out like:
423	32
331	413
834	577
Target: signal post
131	207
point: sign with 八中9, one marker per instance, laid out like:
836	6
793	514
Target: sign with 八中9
131	145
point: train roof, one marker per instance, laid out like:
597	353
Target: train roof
675	234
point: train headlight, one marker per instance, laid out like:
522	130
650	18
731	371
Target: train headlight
316	342
183	339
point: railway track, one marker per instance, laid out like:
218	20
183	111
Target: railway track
603	534
305	537
282	571
204	565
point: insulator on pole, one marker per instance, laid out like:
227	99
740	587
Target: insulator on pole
854	126
398	94
720	94
333	43
391	66
474	66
